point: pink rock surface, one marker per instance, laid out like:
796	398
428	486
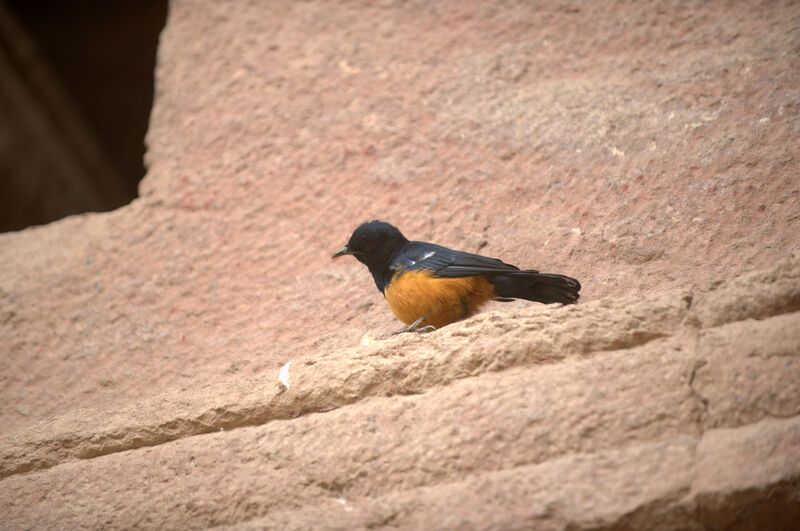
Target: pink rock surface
648	150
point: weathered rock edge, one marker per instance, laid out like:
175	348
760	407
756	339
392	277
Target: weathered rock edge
562	492
725	390
406	364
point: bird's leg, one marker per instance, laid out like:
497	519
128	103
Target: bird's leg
414	327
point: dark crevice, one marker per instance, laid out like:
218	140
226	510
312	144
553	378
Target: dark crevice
76	90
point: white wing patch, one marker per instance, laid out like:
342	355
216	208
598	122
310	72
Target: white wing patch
419	259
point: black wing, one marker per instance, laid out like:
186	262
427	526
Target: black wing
509	281
444	262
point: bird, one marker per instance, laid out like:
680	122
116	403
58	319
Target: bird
429	286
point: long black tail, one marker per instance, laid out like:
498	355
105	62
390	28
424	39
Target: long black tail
535	286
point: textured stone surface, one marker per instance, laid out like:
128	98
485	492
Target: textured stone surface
668	428
650	151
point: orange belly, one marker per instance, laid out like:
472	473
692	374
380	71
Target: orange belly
412	294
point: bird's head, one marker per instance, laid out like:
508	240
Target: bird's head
374	243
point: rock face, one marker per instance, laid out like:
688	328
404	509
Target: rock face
649	151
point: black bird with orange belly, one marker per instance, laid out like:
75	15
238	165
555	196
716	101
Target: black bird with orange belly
429	286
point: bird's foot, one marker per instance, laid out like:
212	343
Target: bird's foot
414	327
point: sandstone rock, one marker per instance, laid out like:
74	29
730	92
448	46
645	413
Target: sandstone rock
632	146
466	413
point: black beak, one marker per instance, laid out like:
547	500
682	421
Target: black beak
342	252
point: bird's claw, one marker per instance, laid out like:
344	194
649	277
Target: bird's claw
414	327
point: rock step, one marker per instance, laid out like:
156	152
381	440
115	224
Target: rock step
404	365
630	377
